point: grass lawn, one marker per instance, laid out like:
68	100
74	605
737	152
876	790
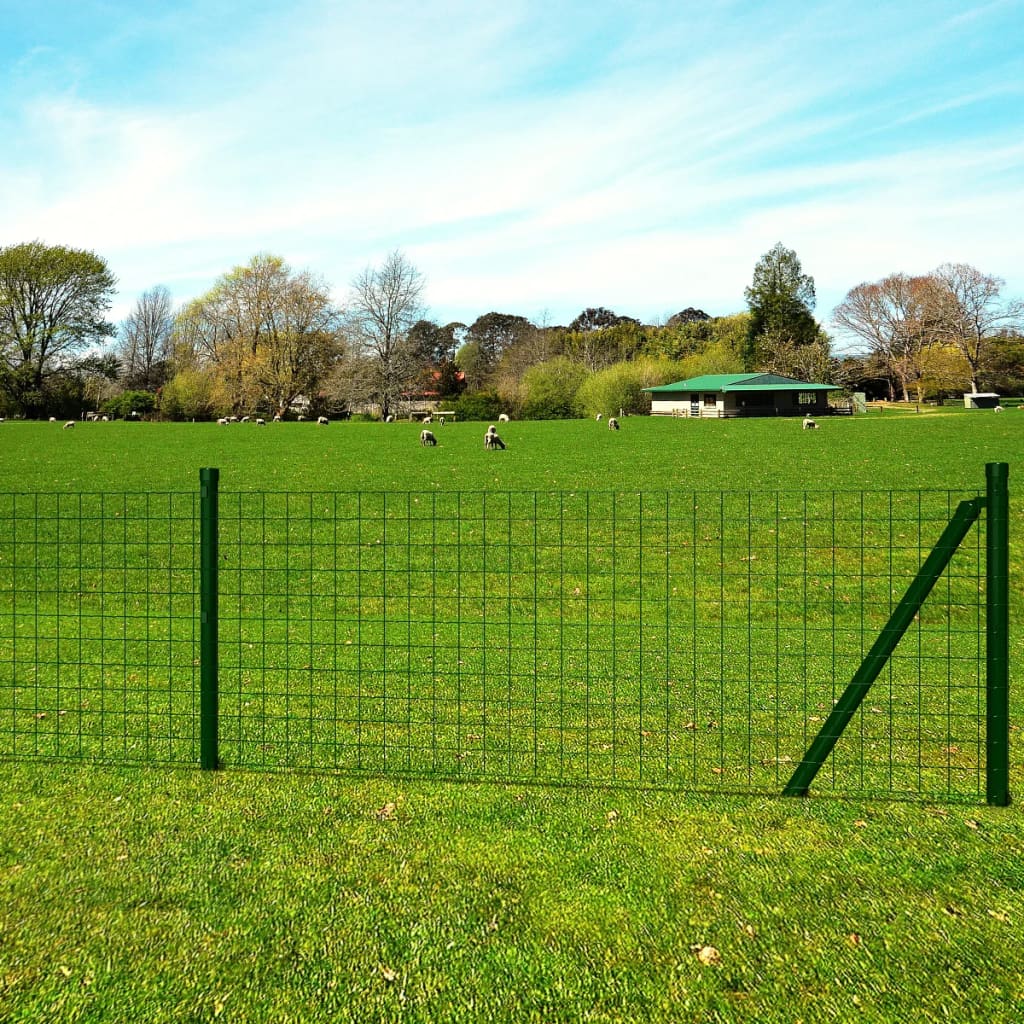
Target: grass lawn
153	894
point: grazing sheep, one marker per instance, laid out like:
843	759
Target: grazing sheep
389	419
427	437
232	419
53	419
322	421
998	408
260	422
613	423
300	419
427	420
222	422
440	421
503	418
105	419
244	419
599	417
492	429
69	425
491	440
809	423
277	417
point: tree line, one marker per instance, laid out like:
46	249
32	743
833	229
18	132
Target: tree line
267	338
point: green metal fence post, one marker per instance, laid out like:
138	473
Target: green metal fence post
997	636
208	593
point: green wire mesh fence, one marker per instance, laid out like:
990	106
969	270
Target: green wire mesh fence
98	598
686	639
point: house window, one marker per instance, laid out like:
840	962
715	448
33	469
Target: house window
806	398
710	399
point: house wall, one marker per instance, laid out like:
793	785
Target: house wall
739	403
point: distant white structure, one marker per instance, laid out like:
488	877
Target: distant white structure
980	400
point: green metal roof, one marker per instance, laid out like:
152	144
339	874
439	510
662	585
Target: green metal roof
744	382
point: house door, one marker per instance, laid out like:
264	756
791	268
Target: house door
695	405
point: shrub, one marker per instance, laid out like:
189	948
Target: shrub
188	396
621	386
478	405
550	389
123	405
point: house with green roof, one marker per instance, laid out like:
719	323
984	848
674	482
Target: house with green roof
723	395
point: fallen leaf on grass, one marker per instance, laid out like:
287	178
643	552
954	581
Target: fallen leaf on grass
853	939
860	823
386	813
707	955
999	915
389	975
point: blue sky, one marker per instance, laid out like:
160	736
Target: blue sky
529	156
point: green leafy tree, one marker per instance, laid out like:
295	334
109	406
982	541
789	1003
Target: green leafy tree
52	305
487	338
781	300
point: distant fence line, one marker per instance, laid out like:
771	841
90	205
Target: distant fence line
698	640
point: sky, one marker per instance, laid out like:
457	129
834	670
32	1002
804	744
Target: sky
534	157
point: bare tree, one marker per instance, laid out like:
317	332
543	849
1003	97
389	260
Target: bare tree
382	309
966	311
892	316
144	348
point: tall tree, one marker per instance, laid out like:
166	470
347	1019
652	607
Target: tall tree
597	318
893	317
384	304
966	312
781	300
52	305
267	334
488	337
145	340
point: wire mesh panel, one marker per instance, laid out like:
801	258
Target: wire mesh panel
686	639
97	626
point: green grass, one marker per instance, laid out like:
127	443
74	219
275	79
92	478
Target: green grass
158	894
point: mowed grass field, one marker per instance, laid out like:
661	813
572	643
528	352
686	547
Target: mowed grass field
161	894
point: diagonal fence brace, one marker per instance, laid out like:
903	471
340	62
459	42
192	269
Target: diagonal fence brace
934	565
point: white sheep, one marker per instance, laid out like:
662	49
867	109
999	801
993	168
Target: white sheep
427	437
998	408
300	419
492	429
277	417
613	423
440	421
53	419
427	420
222	422
809	423
69	425
322	421
389	419
260	422
105	419
492	440
599	417
503	418
245	419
